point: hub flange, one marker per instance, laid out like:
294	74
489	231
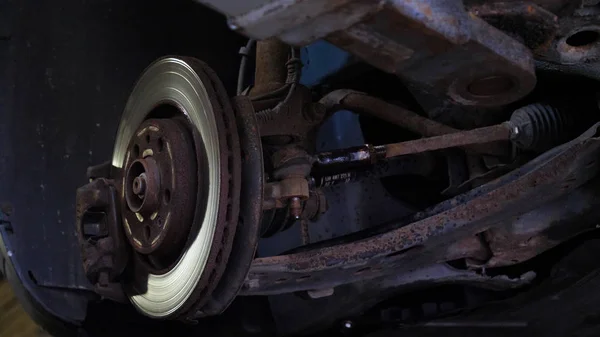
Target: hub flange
159	189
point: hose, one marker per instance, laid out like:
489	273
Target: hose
244	51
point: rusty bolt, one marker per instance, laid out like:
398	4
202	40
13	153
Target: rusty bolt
139	185
295	207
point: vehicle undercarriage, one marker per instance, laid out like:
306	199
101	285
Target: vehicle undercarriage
446	164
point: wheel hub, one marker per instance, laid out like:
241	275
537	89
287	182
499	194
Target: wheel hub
159	187
142	185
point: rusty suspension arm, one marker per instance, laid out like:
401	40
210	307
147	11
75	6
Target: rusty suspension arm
345	99
536	127
359	102
483	135
330	168
342	166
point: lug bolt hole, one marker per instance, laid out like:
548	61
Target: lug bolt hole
147	233
167	196
161	144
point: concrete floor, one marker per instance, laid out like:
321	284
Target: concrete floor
14	322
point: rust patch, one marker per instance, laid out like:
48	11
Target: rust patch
160	191
363	103
476	136
431	231
101	239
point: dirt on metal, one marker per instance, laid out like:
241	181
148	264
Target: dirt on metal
426	239
157	222
463	138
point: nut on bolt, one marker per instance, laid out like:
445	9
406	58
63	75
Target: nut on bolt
139	185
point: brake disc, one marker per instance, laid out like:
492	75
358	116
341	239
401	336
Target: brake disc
177	151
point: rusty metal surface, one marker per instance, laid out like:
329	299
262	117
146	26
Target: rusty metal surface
476	136
360	102
228	215
579	56
564	49
270	73
532	233
294	119
272	196
451	51
290	188
472	247
294	187
157	219
101	238
435	43
290	161
533	24
280	214
251	195
315	206
424	239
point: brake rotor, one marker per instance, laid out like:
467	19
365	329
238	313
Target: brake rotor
177	149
